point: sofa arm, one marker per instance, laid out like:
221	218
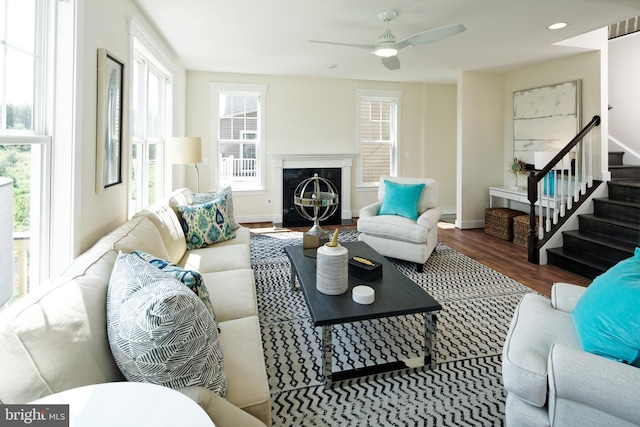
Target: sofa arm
370	210
430	218
565	296
221	412
586	389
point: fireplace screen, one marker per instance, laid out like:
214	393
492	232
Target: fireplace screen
290	180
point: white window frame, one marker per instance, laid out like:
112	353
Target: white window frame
259	90
386	95
153	57
41	145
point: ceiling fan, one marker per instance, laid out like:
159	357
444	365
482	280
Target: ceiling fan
386	45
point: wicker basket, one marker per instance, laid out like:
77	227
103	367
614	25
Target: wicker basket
521	229
498	222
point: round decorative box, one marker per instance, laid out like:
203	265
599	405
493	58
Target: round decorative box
363	294
332	269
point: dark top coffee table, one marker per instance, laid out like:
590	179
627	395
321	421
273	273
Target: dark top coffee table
395	295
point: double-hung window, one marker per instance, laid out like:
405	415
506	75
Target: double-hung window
24	145
378	136
238	129
150	125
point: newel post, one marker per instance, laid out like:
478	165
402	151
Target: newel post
532	195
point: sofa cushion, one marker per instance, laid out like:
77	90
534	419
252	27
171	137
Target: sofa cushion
206	224
218	257
401	199
607	317
235	293
393	227
137	233
248	386
55	338
159	331
168	224
190	278
534	328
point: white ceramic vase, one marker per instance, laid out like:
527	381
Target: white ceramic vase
332	269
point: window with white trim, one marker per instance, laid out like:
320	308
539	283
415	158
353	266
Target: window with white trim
378	135
238	134
24	145
150	125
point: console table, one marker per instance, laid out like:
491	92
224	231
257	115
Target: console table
519	195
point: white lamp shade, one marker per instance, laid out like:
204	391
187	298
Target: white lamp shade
6	239
185	150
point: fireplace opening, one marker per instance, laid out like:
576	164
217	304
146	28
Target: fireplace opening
290	180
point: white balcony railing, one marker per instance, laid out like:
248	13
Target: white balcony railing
21	244
237	171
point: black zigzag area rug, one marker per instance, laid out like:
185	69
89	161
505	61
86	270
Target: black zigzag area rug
464	390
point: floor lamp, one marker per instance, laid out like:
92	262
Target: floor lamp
184	150
6	239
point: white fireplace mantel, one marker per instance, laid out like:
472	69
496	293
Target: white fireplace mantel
291	161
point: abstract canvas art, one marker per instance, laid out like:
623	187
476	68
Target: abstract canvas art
545	118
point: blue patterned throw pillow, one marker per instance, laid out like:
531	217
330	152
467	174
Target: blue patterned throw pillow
206	224
190	278
224	193
159	331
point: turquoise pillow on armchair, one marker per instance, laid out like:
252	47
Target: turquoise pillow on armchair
607	316
401	199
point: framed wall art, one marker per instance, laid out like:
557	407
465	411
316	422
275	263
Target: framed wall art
545	118
109	121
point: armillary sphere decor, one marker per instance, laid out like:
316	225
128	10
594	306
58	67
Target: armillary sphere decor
316	199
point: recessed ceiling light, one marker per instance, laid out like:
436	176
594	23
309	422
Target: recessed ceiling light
557	25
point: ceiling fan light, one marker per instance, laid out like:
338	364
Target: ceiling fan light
385	52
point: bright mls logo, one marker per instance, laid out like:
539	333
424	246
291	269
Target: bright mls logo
34	415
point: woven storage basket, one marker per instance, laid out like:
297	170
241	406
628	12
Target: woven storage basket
498	222
521	229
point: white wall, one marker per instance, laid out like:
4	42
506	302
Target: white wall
585	67
313	115
106	25
624	96
480	143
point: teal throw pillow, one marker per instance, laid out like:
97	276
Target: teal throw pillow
206	224
401	199
226	194
607	317
190	278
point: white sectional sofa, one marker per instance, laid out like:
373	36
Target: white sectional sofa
55	338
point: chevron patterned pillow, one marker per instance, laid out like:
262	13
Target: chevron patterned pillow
159	331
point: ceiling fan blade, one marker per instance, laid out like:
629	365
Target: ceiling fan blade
360	46
431	36
391	62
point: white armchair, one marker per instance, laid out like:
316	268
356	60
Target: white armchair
398	236
551	381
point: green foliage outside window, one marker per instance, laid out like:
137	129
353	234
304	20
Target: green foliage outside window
15	163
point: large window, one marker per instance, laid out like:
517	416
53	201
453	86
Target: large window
24	147
377	135
238	128
150	125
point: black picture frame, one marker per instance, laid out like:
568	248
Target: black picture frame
109	121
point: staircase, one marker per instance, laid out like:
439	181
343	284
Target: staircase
608	235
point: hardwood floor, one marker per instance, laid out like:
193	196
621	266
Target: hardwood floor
501	255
